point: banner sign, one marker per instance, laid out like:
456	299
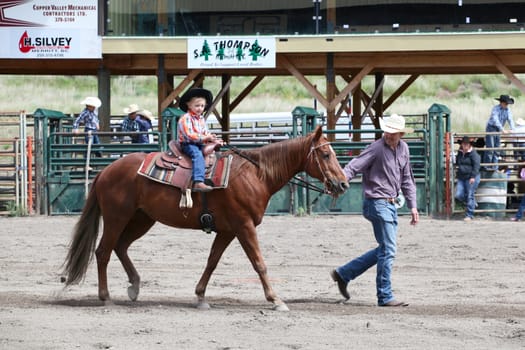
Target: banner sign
231	52
49	29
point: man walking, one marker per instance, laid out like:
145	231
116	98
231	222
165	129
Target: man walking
385	166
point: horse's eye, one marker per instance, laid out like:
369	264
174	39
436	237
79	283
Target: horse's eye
326	155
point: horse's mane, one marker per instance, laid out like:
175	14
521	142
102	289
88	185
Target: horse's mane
278	161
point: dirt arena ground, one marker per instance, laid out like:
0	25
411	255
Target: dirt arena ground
465	283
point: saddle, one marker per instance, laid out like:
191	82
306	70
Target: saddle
174	157
174	168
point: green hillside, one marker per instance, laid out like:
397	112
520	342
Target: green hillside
469	97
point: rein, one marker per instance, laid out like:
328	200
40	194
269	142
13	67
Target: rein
241	154
296	180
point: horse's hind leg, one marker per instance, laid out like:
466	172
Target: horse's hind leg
106	245
219	245
136	228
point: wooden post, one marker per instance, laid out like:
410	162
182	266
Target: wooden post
104	93
356	112
330	94
163	88
225	110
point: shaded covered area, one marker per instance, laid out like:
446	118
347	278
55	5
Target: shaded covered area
351	57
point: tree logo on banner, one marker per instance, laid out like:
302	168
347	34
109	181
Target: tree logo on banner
206	52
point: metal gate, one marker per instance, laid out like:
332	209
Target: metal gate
15	165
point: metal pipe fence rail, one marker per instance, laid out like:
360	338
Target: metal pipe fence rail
66	164
499	192
16	190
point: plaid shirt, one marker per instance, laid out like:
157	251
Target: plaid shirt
88	118
498	117
191	128
137	124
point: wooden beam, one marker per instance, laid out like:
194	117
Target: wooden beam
283	61
176	92
378	97
246	91
350	86
400	90
508	73
376	93
226	79
219	96
356	112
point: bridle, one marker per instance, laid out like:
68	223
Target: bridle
309	185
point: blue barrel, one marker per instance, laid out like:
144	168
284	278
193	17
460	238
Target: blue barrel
492	195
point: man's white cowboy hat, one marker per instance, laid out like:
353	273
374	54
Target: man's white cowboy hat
146	114
520	122
133	108
92	101
394	124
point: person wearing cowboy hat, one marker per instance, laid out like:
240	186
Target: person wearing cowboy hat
148	116
386	170
136	123
193	132
468	177
89	118
499	115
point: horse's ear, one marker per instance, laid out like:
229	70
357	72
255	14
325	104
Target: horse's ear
318	132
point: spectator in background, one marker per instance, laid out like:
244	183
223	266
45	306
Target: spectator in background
519	131
521	208
89	118
147	116
468	164
499	115
134	123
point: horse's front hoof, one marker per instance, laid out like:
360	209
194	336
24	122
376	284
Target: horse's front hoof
133	292
202	305
281	307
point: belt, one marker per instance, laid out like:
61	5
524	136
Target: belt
389	200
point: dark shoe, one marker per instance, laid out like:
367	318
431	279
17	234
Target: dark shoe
201	187
395	303
340	284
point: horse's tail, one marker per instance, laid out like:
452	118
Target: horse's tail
82	245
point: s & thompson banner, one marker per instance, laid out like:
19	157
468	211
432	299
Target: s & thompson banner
51	29
231	52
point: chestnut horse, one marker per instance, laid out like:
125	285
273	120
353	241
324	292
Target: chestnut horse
130	204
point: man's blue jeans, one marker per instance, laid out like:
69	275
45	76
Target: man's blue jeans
521	209
95	141
383	216
465	192
491	156
197	160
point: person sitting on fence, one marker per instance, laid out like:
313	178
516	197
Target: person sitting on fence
136	123
89	118
193	132
521	208
468	178
519	142
499	115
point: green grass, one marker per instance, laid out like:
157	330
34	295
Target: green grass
469	97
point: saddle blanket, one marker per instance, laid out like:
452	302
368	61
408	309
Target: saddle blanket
216	175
